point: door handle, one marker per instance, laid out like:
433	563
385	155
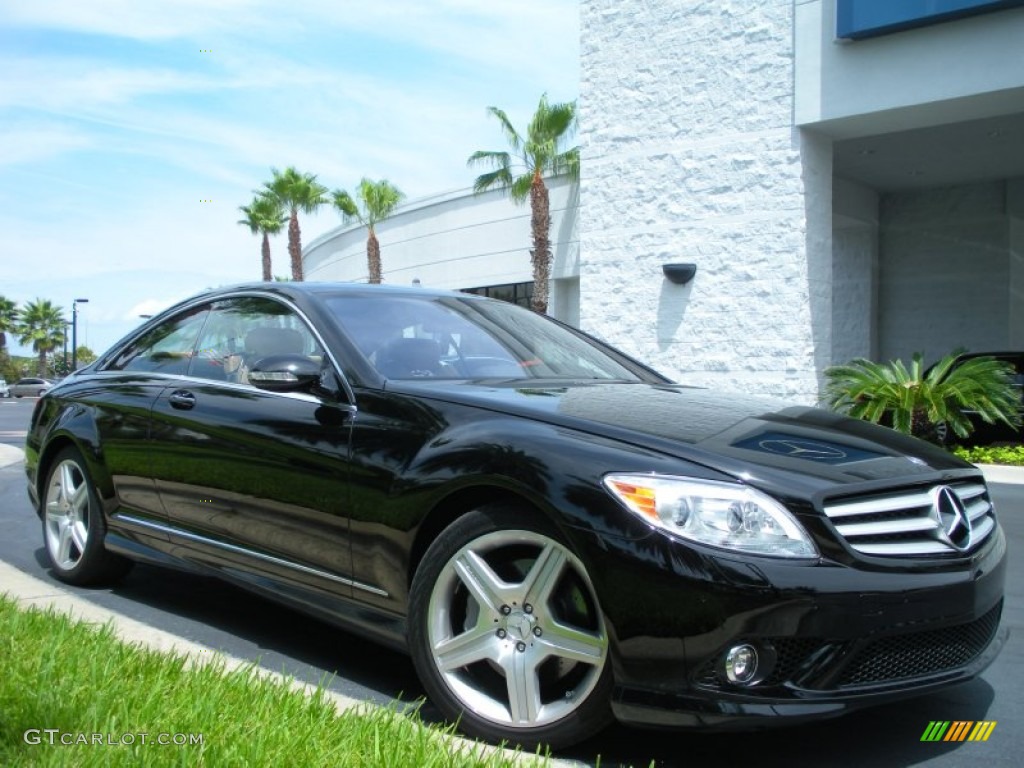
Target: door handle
182	399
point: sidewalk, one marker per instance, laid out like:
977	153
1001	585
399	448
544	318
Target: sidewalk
10	455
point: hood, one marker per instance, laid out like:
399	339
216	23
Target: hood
763	442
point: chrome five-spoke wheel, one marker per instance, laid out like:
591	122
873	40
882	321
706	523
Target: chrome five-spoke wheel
73	526
512	635
67	515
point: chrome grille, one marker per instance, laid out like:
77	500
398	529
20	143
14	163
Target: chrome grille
914	522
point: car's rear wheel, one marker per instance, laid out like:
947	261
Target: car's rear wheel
507	634
73	525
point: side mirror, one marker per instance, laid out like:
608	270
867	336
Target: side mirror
284	373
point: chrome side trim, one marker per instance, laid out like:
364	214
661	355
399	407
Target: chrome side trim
253	553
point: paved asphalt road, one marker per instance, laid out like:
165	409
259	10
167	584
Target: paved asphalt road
222	617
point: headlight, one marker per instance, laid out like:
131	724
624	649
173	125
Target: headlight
726	515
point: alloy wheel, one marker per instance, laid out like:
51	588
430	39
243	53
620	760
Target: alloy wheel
515	630
67	515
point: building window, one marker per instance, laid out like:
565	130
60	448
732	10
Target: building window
516	293
858	19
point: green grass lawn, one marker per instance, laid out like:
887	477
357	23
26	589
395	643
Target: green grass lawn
72	694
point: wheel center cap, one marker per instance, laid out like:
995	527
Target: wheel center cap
519	625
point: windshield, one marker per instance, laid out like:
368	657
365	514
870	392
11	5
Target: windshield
451	338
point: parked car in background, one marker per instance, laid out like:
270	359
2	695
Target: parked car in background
30	387
5	391
557	534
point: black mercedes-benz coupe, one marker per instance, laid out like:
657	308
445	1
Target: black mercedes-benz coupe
556	534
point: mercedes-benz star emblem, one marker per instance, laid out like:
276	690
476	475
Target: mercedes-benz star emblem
954	523
803	449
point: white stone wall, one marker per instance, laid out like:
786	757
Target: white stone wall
855	270
944	271
690	155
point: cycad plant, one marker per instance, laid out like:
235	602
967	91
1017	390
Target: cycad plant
926	403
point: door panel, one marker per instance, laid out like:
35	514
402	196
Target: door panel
256	477
263	472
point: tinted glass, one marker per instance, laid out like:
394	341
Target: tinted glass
452	338
241	331
165	348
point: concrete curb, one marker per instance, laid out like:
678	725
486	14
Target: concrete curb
29	592
1000	473
10	455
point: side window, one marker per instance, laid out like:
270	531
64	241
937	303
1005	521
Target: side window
166	348
241	331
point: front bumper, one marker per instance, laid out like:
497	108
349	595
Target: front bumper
830	637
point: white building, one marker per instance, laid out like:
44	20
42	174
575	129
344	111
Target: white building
838	197
461	241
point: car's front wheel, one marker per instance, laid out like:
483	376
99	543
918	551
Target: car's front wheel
73	526
507	634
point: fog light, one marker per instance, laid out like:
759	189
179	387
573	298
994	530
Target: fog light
741	664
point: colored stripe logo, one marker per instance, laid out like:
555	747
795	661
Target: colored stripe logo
959	730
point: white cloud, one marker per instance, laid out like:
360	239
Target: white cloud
41	142
129	18
113	126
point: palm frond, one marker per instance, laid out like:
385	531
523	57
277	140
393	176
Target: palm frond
502	177
511	134
914	399
343	201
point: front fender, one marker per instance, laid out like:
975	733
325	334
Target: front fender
73	425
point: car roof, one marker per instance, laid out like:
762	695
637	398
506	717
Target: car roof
288	288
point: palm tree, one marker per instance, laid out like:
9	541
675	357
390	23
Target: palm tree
41	325
265	215
378	201
919	402
8	320
296	192
539	153
85	355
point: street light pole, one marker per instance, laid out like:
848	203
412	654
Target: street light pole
74	332
66	324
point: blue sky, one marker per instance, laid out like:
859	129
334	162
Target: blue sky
119	117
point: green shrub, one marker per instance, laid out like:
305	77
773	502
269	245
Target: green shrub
1012	455
928	404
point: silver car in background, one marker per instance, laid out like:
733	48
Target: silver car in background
30	387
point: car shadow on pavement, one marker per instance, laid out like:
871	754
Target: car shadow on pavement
214	613
889	736
227	618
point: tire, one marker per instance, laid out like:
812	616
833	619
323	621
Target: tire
507	635
73	525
